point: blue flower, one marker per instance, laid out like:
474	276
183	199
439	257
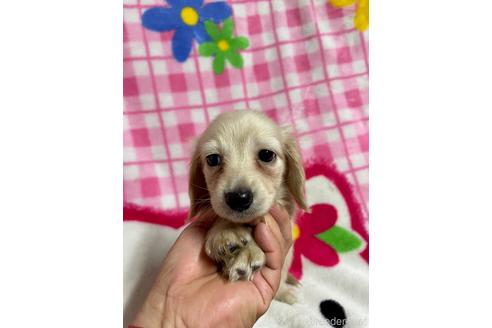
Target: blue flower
186	18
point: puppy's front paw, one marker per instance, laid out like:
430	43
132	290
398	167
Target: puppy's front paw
249	259
287	294
235	249
225	242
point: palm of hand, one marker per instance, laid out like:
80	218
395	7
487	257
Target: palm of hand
202	297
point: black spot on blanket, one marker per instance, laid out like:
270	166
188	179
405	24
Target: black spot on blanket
333	312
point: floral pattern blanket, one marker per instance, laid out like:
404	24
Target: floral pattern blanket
304	63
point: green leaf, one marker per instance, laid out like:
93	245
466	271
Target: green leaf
218	64
212	30
235	59
340	239
228	28
239	43
207	49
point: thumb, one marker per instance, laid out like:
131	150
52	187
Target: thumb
267	280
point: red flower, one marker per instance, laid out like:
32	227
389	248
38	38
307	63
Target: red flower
307	227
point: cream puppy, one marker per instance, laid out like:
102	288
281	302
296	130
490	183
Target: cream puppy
243	164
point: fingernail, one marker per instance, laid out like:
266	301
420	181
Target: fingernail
262	220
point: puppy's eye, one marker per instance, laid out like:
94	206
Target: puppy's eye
213	160
266	155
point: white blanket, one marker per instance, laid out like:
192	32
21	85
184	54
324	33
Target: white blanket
330	295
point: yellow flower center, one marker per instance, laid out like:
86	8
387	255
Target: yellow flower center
223	45
189	16
295	232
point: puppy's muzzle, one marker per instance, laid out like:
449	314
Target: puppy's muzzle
239	200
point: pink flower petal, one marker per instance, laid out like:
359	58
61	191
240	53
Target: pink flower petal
320	253
296	266
321	218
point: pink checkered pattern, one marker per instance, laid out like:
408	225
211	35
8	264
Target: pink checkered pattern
306	67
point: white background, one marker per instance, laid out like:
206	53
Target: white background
60	210
430	163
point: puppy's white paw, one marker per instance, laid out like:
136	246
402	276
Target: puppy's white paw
224	242
249	260
235	249
287	294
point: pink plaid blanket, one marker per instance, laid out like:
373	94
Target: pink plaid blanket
306	66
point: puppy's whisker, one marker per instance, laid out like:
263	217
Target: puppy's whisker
199	187
203	199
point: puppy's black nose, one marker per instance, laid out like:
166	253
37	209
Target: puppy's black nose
239	200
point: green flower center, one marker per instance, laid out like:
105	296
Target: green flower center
223	45
189	16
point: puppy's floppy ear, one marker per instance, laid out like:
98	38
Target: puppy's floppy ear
294	170
197	186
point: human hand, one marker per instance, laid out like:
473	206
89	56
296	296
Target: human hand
190	291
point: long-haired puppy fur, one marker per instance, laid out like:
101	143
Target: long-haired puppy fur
242	164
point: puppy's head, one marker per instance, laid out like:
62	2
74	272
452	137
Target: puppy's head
242	164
